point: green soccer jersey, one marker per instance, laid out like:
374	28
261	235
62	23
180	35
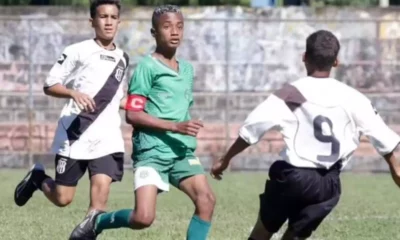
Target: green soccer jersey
169	97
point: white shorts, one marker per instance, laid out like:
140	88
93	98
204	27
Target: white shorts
149	176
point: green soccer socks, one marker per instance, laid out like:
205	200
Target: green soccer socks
198	229
112	220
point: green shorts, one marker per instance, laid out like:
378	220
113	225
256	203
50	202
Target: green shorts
162	172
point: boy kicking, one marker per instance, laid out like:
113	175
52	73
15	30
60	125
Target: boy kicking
88	135
321	120
164	140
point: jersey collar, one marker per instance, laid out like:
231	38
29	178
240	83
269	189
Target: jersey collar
159	63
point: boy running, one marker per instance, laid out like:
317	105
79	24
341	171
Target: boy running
88	135
321	120
164	140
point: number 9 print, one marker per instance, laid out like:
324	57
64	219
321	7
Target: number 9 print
316	140
319	135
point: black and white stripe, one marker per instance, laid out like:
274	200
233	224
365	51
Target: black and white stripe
82	122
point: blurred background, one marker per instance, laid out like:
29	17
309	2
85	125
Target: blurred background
242	50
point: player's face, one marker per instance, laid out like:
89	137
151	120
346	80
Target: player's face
169	30
106	21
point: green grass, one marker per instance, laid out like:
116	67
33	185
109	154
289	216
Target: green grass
369	209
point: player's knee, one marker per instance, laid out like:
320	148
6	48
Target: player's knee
63	196
100	184
63	200
205	202
142	220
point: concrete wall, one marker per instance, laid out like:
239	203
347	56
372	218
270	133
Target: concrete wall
240	56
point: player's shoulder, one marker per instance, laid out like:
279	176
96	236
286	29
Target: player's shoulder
122	55
79	46
187	67
349	93
78	50
144	68
72	52
356	101
289	91
185	63
146	62
330	87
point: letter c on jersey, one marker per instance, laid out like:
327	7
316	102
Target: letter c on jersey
135	103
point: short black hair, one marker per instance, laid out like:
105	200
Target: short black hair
322	48
94	4
160	10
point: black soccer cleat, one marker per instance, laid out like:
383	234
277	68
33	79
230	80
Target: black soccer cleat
25	189
86	229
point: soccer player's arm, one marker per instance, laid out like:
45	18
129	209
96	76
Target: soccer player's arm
124	99
267	115
384	139
56	81
122	103
138	92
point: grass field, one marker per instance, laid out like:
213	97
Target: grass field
369	209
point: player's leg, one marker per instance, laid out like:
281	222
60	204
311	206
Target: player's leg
188	175
290	235
273	213
302	225
259	232
275	205
151	177
139	218
102	172
320	192
148	182
60	191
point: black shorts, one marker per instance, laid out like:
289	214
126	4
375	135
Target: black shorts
70	171
304	196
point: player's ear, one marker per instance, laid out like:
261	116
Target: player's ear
303	57
336	63
91	22
153	32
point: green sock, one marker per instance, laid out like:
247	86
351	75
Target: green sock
198	229
113	220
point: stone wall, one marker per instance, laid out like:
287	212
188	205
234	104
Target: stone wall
240	56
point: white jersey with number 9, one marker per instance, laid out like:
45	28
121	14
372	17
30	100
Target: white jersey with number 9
321	120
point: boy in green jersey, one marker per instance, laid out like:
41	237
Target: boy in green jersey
164	140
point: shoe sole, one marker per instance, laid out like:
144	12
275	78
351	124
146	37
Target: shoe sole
21	201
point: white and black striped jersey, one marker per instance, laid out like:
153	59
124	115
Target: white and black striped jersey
97	72
321	120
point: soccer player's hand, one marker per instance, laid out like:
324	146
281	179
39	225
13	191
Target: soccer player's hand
84	102
218	168
191	127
